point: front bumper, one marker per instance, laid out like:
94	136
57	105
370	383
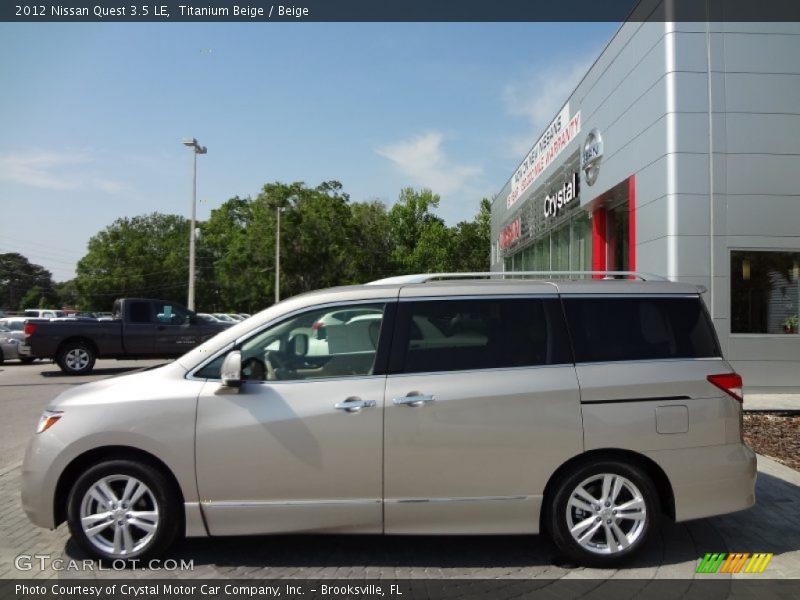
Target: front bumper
40	471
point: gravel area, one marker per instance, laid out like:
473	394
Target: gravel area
774	435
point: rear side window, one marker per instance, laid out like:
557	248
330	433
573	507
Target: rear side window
458	335
610	329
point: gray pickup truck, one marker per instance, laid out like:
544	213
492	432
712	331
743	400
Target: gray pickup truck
141	328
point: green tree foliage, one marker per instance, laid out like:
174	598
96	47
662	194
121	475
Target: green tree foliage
141	256
40	297
18	276
421	242
326	240
470	249
68	295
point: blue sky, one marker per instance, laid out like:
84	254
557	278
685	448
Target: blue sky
92	115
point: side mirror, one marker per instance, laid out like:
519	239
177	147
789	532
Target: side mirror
231	371
298	345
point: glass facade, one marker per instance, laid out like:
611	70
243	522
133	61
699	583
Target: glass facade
567	248
765	290
618	236
581	245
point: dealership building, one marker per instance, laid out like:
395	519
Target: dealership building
678	154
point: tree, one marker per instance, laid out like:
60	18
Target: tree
68	295
39	297
17	276
421	242
140	256
471	241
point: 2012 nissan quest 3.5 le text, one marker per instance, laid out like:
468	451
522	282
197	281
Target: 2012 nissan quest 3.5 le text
587	409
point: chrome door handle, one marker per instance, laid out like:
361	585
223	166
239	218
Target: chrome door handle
414	399
354	404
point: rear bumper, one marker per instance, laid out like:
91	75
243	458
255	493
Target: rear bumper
709	481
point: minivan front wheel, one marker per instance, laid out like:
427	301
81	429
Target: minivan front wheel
123	510
603	513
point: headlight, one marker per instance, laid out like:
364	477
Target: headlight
48	419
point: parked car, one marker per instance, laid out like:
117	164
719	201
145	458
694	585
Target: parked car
235	317
589	410
142	328
13	323
337	317
224	318
208	318
44	313
11	336
9	342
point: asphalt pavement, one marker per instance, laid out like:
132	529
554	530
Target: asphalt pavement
773	525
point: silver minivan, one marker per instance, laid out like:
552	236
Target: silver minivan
586	409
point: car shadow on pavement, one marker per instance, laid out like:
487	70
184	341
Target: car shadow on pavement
770	526
108	371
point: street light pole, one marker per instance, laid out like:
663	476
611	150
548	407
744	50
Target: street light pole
278	211
197	149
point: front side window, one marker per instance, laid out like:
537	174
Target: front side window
331	342
765	290
647	328
458	335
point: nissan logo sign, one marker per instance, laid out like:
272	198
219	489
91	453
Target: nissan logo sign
592	155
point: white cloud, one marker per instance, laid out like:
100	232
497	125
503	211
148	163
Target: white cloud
540	96
54	171
424	161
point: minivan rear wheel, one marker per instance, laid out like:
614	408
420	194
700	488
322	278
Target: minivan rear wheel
123	510
603	513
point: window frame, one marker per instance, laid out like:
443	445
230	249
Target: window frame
381	352
400	336
644	296
744	335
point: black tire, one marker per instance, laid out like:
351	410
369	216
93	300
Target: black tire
27	360
1	357
161	497
596	549
76	358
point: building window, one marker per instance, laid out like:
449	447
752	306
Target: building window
765	289
618	236
581	247
560	257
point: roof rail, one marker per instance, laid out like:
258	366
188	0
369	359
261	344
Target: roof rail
423	278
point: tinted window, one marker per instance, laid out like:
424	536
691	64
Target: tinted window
139	312
457	335
607	329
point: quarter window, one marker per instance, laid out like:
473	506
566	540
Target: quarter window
457	335
610	329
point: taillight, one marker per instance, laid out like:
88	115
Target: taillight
730	383
30	328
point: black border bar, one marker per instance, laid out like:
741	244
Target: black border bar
707	587
398	10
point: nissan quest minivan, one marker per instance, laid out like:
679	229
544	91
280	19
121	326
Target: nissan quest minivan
448	404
